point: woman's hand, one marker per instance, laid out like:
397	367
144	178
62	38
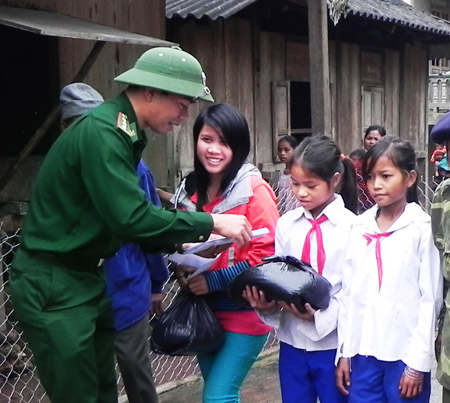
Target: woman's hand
308	315
411	383
343	375
214	251
198	285
257	299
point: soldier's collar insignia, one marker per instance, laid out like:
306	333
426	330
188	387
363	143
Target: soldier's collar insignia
124	125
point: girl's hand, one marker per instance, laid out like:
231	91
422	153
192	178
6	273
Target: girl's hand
198	285
257	299
213	251
181	273
309	315
411	383
343	375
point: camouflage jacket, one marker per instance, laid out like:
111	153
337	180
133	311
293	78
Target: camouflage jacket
440	221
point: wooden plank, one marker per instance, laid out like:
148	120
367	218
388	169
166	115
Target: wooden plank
413	90
350	142
263	111
239	70
297	61
319	66
392	93
343	97
372	67
64	26
333	100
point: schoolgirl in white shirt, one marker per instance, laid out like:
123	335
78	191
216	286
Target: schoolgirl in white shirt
392	286
316	232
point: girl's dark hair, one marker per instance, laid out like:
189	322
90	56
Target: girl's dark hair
322	157
233	129
402	155
378	128
358	154
289	139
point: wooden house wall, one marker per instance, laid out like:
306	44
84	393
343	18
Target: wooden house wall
413	90
346	96
241	62
224	49
140	16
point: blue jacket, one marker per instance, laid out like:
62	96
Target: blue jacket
133	275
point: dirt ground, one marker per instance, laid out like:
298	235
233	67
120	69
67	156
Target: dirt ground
261	386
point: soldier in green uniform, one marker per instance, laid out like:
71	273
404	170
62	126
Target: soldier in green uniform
440	220
86	202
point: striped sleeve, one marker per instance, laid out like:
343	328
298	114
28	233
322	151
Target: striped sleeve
218	280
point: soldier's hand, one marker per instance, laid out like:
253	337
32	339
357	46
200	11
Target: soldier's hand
233	226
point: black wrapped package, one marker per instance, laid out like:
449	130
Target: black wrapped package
187	327
284	278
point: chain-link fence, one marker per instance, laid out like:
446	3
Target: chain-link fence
19	381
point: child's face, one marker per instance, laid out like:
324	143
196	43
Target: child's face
387	184
285	151
313	193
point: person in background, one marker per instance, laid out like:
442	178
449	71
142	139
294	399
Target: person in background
372	136
317	233
392	286
438	154
86	202
225	184
286	199
76	99
440	221
365	200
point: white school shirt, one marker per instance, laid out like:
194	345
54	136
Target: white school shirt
290	235
397	320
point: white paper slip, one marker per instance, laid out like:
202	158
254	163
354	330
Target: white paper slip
200	263
222	241
260	232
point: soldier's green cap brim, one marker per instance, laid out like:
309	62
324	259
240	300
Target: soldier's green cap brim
166	82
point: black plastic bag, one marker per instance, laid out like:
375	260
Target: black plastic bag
284	278
187	327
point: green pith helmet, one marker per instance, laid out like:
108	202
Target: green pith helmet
171	70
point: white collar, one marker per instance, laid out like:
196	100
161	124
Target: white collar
333	211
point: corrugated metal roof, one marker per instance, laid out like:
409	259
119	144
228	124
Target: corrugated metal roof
395	12
209	8
53	24
399	13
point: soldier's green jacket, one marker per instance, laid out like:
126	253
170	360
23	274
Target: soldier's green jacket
440	221
87	199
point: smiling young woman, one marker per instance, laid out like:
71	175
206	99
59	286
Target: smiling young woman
225	184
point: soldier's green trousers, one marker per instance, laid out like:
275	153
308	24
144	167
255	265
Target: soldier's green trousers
67	321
